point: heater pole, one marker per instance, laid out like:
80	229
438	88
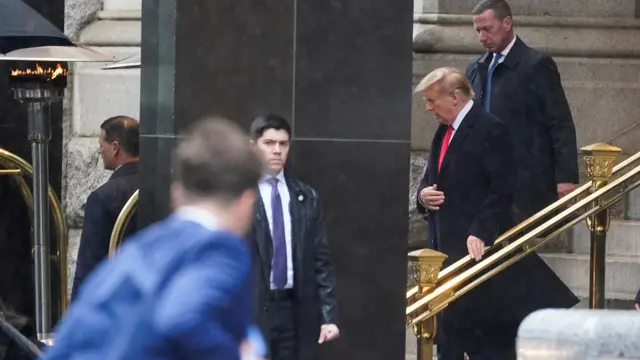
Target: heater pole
39	136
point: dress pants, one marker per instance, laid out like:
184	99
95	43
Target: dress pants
284	335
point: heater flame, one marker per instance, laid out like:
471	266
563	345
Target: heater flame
51	73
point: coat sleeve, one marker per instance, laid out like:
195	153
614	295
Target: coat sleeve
423	184
94	241
323	269
556	115
494	216
205	308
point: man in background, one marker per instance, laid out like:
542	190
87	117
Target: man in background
295	301
180	289
521	86
118	148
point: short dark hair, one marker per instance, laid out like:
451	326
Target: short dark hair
215	159
500	7
125	131
268	121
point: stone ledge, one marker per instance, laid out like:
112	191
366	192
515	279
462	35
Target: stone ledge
521	20
119	15
99	94
571	68
572	8
112	33
455	34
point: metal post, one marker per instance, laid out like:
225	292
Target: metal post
39	136
599	160
425	266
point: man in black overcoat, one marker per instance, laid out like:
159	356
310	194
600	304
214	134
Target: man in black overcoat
467	194
522	87
295	303
119	148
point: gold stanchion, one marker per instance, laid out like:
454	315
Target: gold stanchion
599	160
425	266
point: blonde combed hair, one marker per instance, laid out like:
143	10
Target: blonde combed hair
449	79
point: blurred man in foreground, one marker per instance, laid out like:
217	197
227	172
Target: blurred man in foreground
180	289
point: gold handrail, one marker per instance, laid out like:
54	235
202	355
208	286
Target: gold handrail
581	190
450	290
15	166
120	226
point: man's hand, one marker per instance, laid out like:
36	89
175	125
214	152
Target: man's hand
475	247
328	332
637	306
431	198
564	189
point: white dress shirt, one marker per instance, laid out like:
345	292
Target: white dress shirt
198	216
265	193
458	121
506	50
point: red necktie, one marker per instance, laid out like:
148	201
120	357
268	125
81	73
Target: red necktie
445	145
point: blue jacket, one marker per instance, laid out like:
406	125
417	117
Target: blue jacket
176	290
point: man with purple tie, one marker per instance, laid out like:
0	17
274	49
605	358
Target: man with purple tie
295	302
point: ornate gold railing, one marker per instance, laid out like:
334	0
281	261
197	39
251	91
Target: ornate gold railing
117	234
18	168
436	289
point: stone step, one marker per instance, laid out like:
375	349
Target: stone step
623	239
571	68
564	36
622	277
568	8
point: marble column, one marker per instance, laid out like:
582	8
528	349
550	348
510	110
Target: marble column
341	73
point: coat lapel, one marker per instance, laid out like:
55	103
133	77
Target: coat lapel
459	136
298	216
263	239
434	155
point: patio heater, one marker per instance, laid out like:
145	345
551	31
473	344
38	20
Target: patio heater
37	53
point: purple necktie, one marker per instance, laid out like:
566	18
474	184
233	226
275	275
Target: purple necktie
279	264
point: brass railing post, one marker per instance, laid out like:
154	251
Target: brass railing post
425	266
599	160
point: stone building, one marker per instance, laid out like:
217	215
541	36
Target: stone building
594	43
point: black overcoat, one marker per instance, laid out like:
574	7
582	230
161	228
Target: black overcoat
527	94
478	178
314	279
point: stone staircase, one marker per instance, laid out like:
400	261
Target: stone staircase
595	46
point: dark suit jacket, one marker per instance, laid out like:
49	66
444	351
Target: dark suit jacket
527	94
314	279
100	213
478	180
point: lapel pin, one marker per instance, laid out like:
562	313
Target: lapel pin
300	197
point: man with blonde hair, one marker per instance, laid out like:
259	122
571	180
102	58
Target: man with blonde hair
466	195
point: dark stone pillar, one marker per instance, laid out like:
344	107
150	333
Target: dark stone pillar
341	73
